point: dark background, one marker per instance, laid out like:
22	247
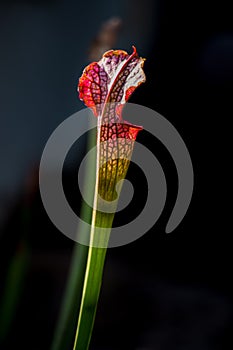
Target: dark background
162	291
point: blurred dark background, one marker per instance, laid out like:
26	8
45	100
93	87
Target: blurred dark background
162	291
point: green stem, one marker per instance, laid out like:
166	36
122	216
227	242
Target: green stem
92	284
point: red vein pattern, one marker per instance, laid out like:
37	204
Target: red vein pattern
105	87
